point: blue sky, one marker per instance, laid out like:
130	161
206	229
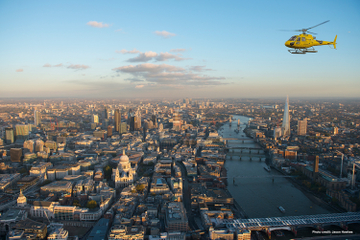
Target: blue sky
180	49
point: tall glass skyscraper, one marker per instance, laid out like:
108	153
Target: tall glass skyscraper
9	135
286	119
106	113
117	120
21	132
37	118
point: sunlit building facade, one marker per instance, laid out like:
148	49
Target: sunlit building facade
117	120
286	119
37	118
302	127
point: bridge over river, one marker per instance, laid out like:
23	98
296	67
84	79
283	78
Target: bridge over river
293	223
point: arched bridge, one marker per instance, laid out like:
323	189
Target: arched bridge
293	222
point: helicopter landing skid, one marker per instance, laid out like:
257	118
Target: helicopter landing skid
302	51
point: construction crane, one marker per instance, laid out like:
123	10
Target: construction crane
52	125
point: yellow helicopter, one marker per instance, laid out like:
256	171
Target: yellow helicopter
304	42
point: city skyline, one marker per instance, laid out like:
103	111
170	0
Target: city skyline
60	49
178	167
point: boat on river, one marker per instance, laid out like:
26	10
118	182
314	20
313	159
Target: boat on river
282	209
267	168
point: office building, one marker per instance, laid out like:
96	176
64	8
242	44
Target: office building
100	229
123	127
133	123
154	120
302	127
95	118
109	131
175	217
37	118
286	119
336	130
127	232
177	121
39	145
277	132
106	113
9	135
15	154
138	121
117	120
21	132
29	146
64	187
35	230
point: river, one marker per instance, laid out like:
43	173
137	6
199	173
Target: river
257	194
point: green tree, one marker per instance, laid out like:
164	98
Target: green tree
140	188
76	203
107	172
23	171
91	204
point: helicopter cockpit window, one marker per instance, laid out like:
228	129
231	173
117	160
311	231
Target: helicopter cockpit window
303	39
298	39
292	38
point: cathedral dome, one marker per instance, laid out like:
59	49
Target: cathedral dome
124	158
21	201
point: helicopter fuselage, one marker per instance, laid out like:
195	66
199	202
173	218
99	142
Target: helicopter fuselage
303	41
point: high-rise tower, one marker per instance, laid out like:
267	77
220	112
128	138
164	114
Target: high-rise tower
106	113
37	118
9	135
302	127
177	121
286	119
117	120
95	118
138	120
21	132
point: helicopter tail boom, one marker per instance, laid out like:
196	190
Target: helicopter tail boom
334	42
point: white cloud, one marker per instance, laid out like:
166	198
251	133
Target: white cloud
143	57
124	51
49	65
178	50
147	56
139	86
148	68
165	34
164	74
166	56
78	66
98	24
199	68
19	70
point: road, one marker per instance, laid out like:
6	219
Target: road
187	197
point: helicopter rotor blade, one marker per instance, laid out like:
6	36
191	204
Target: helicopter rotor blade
312	33
317	25
289	30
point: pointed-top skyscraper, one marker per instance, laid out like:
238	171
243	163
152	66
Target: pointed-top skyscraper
286	119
